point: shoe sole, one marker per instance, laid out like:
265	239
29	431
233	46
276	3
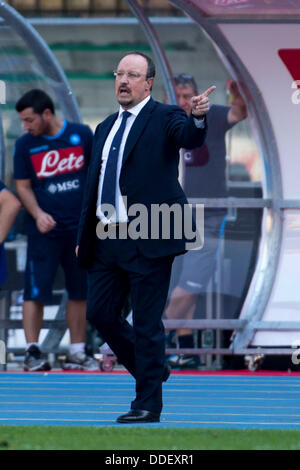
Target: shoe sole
45	367
125	421
70	366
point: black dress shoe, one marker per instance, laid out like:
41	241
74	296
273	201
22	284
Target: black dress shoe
167	371
139	416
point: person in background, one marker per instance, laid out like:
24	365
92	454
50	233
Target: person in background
50	164
9	208
204	177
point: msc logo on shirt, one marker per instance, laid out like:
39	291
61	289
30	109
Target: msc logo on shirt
71	185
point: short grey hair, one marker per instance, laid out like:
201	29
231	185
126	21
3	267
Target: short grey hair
182	79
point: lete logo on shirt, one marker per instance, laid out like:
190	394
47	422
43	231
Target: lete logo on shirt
58	162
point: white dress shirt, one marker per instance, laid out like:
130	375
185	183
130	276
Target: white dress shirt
121	212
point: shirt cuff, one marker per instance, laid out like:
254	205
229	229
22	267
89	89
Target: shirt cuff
199	123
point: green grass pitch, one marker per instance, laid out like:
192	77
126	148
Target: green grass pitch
138	438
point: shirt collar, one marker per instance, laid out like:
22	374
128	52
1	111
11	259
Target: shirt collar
137	108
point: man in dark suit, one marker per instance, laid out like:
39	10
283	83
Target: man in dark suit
135	162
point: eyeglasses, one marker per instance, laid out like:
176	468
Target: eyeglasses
119	74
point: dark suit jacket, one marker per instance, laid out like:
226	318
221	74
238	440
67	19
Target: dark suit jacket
149	173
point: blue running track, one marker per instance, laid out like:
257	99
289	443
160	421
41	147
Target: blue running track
190	401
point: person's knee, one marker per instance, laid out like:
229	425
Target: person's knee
33	307
181	302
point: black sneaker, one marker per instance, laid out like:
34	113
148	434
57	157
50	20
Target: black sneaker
184	361
80	361
34	361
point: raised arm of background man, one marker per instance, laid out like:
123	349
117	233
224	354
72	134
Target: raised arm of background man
238	110
9	208
44	221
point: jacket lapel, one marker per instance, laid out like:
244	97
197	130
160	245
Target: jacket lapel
138	126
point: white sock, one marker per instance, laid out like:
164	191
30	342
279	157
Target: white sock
76	347
32	344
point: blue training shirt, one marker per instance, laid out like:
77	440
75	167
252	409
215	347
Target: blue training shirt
56	166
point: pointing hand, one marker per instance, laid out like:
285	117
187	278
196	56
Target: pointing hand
200	103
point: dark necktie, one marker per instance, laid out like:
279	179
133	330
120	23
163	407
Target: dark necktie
108	195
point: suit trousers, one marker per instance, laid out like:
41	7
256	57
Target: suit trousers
120	269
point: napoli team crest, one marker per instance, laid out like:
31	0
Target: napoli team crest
75	139
52	188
